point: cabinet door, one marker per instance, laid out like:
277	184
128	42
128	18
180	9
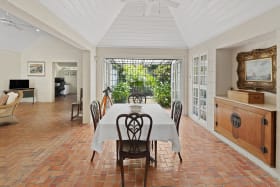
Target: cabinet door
28	93
255	130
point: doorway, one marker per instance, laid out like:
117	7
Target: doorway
65	79
158	79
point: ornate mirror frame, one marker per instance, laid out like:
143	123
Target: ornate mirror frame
253	60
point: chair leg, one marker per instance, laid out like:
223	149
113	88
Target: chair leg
78	112
72	113
146	169
155	153
117	150
122	170
179	154
93	153
73	116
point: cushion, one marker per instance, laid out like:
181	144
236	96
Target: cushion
12	97
3	99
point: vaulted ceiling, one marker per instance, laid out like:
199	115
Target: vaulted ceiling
125	23
153	23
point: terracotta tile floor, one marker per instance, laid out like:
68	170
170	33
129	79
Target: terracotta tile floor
46	149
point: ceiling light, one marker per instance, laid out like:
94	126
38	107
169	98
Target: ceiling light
12	21
149	5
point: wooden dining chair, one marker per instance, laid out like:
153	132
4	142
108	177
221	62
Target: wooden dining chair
176	112
96	116
137	98
78	105
138	143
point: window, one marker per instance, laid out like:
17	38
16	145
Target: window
156	78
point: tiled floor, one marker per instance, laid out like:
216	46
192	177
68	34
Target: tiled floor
46	149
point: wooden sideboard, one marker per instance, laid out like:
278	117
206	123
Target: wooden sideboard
252	127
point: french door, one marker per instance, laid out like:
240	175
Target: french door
176	92
199	87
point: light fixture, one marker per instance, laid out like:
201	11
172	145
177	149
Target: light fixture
150	4
9	20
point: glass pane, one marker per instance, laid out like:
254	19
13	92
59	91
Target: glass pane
202	94
202	115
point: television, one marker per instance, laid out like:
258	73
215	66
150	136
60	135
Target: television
19	84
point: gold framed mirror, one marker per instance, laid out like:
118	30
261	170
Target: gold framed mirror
257	69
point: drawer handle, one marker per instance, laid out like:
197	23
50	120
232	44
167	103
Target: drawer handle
235	120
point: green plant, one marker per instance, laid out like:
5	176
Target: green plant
162	88
162	93
137	78
120	92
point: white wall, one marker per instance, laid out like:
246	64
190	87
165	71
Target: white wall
10	68
48	49
146	53
223	71
259	26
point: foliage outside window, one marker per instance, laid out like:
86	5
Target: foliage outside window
162	89
121	92
149	77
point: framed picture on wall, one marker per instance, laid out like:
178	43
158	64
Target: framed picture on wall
35	68
257	69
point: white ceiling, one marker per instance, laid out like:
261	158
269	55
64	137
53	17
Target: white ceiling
132	28
90	18
123	23
200	20
142	23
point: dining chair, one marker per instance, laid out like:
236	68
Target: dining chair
137	98
96	116
78	105
176	112
137	144
172	109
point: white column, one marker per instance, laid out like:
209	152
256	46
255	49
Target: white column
185	83
86	85
93	74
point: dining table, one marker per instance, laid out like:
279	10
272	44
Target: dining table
163	128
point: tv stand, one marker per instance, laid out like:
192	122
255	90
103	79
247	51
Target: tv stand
27	92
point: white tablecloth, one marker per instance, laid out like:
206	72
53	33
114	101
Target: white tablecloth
163	128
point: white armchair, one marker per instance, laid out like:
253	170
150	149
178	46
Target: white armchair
7	110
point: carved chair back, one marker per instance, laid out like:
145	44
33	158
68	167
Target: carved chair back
176	113
95	113
134	123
